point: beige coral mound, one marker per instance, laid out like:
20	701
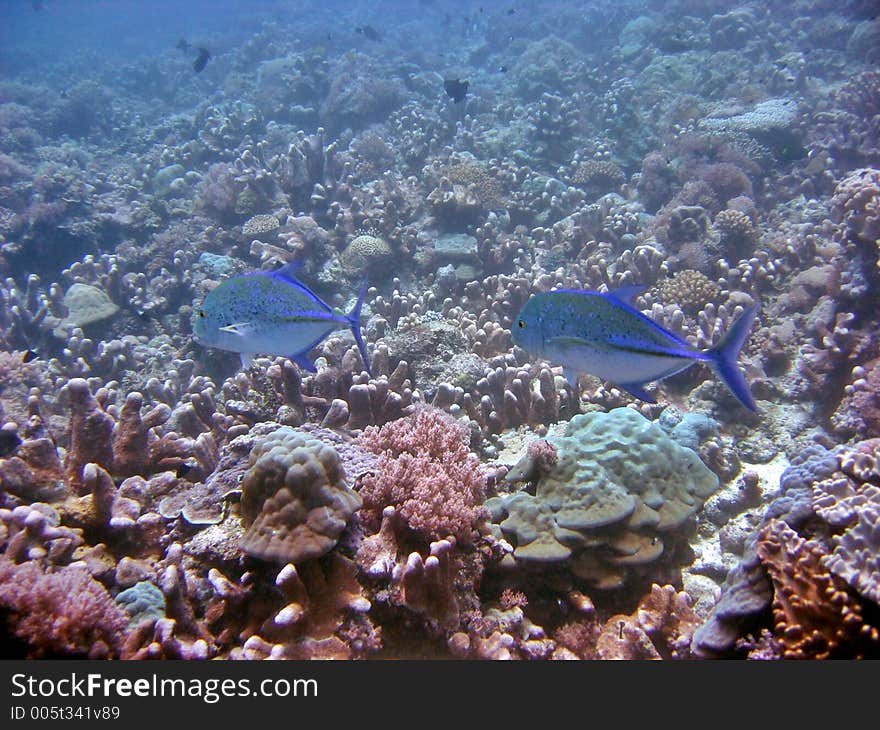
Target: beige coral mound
365	252
614	502
294	501
856	203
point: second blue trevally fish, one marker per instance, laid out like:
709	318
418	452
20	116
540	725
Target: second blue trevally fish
272	313
603	334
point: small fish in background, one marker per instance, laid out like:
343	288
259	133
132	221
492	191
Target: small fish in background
606	336
183	45
29	355
201	60
272	313
456	89
368	32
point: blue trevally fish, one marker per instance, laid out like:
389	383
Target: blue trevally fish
272	313
603	334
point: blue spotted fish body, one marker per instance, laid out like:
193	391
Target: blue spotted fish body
602	334
272	313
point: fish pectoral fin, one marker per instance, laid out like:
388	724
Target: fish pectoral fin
239	328
637	390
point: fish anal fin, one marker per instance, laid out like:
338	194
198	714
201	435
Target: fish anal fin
637	390
302	359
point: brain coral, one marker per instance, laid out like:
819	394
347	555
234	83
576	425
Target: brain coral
365	252
294	500
260	224
620	488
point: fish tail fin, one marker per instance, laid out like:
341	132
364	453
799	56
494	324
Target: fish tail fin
722	357
354	320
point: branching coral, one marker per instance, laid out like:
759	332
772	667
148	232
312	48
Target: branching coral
427	473
62	613
814	617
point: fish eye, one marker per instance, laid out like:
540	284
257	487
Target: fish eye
201	313
521	324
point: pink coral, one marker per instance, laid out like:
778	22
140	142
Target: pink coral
426	471
66	612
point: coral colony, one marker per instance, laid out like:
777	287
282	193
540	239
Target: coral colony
446	490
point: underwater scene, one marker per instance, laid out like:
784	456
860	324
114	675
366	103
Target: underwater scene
439	329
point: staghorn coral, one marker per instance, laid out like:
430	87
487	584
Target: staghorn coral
294	500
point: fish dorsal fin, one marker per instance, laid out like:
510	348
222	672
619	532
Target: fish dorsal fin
627	294
288	272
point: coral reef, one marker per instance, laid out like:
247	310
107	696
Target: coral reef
160	500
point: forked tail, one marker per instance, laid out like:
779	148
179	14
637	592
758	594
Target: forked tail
722	357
